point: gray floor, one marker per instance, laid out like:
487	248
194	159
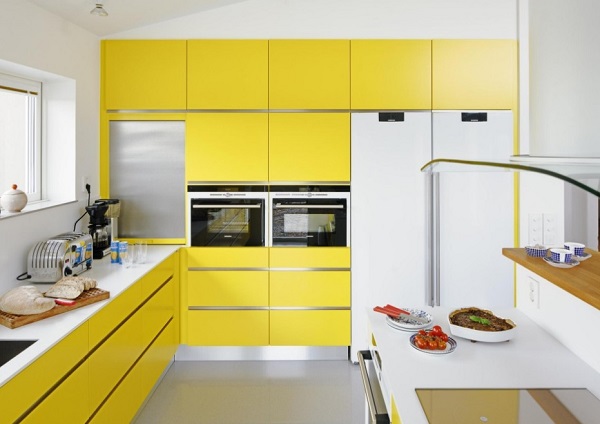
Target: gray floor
257	392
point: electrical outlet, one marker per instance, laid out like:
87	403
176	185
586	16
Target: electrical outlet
534	293
549	227
84	182
536	229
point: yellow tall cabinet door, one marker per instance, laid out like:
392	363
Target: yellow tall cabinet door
228	74
144	74
474	74
309	147
227	147
390	74
309	74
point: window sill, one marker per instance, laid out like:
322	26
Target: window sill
34	207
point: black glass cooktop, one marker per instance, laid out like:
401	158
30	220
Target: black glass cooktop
509	406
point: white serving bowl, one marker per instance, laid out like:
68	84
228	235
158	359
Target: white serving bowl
479	335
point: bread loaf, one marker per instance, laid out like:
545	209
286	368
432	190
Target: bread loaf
25	300
70	287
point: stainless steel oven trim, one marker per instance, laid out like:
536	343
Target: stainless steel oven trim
280	206
246	195
280	195
375	403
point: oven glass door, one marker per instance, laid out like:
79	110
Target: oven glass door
221	222
309	222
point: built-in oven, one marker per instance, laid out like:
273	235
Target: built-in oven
309	215
233	215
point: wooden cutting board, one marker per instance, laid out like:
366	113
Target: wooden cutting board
86	298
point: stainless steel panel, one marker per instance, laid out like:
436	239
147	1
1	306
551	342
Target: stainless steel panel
377	412
147	174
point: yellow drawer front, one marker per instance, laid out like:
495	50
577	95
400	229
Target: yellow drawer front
69	402
309	74
228	74
310	288
309	257
228	288
395	415
228	257
113	359
474	74
157	312
109	317
309	147
123	403
156	359
155	278
391	74
310	328
228	328
227	147
29	385
144	74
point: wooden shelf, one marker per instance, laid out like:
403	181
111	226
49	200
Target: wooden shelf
582	281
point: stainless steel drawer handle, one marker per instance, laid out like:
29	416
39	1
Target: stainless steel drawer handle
253	206
375	402
283	206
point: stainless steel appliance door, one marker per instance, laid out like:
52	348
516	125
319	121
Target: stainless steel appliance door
376	409
219	222
308	222
147	165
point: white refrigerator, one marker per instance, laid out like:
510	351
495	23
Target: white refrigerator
476	211
388	216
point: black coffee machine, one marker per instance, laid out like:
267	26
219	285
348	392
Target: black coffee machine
97	227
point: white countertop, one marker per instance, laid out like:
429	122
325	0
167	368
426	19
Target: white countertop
111	277
533	359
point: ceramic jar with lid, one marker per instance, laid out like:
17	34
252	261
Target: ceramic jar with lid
13	200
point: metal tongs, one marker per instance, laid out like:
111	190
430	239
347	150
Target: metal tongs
399	314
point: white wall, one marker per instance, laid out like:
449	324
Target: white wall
343	19
564	83
44	46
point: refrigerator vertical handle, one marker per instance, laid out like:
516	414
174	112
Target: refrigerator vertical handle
432	285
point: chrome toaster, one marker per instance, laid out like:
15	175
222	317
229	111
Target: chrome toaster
65	254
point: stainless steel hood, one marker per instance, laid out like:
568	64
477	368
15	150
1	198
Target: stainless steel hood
580	172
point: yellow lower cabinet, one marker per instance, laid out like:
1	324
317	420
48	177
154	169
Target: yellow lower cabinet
310	328
124	402
228	327
161	273
395	416
227	257
228	288
157	358
309	257
113	358
310	288
157	312
33	382
68	403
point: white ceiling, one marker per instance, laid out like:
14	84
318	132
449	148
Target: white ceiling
124	15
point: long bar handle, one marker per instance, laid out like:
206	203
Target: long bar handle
240	206
282	206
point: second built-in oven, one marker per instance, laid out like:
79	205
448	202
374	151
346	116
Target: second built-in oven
221	216
309	216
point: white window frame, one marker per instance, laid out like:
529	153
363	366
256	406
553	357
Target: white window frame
33	89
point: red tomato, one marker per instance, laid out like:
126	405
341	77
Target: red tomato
441	344
437	329
433	344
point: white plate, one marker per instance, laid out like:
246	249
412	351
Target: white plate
450	346
571	264
406	324
582	258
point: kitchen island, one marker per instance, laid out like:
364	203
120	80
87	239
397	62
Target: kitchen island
87	354
533	359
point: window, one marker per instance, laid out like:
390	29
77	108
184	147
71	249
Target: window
20	135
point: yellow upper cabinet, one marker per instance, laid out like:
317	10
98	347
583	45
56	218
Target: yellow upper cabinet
309	74
227	147
309	147
474	74
144	74
228	74
391	74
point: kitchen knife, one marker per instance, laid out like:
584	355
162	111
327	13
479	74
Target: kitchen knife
400	314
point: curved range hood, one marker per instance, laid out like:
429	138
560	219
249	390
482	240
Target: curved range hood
581	172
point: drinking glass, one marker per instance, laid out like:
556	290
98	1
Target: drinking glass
130	257
142	252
